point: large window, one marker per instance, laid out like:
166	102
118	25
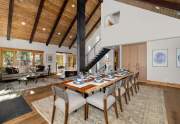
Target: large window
24	58
8	58
18	58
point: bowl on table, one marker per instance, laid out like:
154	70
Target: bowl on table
110	76
98	80
78	82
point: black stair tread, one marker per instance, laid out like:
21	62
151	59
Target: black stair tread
98	57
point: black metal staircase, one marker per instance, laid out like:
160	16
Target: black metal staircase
96	59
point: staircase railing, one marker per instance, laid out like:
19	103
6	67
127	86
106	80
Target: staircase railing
92	50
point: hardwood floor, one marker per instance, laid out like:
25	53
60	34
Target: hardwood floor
171	95
172	102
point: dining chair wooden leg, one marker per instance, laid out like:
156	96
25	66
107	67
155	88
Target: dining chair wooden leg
128	94
105	112
106	116
132	91
66	114
120	103
135	87
115	108
125	97
53	114
87	110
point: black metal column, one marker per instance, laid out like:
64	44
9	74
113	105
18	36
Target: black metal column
80	35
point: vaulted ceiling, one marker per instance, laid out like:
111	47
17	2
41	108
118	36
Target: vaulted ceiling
54	21
45	21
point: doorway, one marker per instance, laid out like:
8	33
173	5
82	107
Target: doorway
134	58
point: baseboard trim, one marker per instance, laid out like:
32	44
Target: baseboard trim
162	84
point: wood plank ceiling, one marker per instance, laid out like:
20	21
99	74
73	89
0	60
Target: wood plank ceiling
54	21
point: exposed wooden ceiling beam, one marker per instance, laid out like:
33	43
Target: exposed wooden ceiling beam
37	20
61	11
10	15
164	3
72	42
94	10
68	30
87	21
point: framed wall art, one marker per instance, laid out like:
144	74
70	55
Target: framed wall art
178	57
160	58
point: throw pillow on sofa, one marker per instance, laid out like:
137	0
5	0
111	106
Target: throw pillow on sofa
11	70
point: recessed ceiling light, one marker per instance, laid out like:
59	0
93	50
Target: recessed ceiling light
157	7
59	33
73	5
23	23
43	29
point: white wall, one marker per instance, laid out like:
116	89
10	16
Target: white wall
23	44
136	25
139	25
170	74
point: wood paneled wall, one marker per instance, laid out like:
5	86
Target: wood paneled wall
134	58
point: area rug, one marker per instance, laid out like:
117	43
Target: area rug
13	108
146	107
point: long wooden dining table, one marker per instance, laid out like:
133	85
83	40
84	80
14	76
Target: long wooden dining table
90	85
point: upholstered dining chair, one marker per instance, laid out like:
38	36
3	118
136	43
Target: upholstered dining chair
103	101
67	102
121	91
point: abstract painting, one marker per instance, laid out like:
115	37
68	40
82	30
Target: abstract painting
178	57
160	58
